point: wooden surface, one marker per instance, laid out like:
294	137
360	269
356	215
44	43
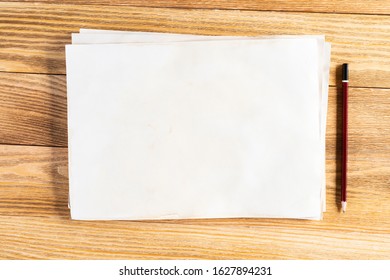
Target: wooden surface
327	6
34	218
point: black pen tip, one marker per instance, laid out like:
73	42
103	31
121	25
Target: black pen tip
345	72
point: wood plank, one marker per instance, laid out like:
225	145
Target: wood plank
325	6
368	121
32	37
51	238
33	109
33	180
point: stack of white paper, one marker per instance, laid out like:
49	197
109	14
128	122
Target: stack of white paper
171	126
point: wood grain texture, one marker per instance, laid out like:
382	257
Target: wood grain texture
325	6
48	238
33	109
32	37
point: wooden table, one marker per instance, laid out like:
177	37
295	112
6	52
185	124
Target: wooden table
34	217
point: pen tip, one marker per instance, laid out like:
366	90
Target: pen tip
344	206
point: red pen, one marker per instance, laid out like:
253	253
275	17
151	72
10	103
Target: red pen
345	139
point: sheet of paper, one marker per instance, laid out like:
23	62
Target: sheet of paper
206	129
93	36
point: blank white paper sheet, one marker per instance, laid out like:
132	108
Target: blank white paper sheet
170	126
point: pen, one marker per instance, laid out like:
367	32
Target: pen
345	139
